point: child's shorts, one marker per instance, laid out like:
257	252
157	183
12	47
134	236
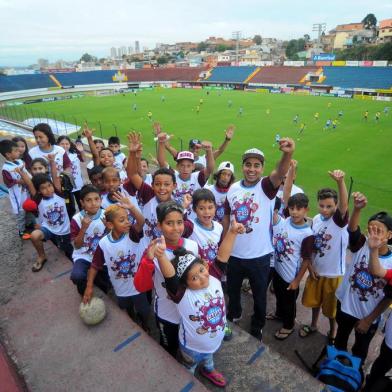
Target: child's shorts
61	241
321	294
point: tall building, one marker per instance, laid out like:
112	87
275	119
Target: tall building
123	50
130	49
137	47
43	63
113	53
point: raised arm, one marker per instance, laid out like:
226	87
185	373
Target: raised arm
165	265
227	243
27	180
360	202
79	239
228	136
88	134
162	137
338	176
287	146
133	162
376	241
209	169
53	170
288	183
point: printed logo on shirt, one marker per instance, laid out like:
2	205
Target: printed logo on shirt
283	247
181	190
91	242
220	213
55	215
321	240
124	265
244	211
208	251
363	282
152	230
210	314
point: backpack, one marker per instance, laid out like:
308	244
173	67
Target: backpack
340	371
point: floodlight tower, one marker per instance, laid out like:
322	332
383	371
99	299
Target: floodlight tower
319	28
237	35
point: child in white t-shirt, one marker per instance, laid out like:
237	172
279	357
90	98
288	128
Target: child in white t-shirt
361	294
293	242
196	289
17	190
119	157
120	252
52	213
87	228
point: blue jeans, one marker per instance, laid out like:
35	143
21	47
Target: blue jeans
190	359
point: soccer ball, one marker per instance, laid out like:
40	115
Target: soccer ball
93	312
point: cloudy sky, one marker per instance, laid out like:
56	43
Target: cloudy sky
31	29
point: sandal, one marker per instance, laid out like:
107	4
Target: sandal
38	264
283	333
214	376
306	330
272	316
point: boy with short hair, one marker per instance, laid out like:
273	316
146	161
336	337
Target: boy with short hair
329	259
120	158
17	191
361	295
52	213
293	243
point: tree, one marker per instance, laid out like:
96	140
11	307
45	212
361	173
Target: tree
221	48
369	21
293	47
201	47
307	37
162	60
87	58
257	39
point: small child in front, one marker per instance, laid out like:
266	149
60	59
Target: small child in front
119	250
293	242
196	289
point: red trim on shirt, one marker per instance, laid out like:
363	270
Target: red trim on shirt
66	161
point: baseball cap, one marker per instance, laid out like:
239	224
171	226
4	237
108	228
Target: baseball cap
253	153
185	155
226	166
194	142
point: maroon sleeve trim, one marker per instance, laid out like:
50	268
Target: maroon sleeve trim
268	188
145	193
66	161
201	178
7	179
307	247
339	220
226	207
75	229
98	259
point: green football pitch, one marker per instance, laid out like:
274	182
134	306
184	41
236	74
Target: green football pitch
363	149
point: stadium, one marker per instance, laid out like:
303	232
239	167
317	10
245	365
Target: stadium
270	97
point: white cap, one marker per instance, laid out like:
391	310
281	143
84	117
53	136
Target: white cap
253	153
226	166
185	155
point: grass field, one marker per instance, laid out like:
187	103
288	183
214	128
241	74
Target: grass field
362	149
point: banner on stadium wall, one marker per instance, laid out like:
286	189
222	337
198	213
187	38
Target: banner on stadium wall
380	63
364	97
275	91
338	63
383	98
291	63
301	92
262	90
351	63
323	63
366	63
324	57
286	90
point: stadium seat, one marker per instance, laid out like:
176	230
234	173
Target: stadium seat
358	77
24	82
282	75
231	74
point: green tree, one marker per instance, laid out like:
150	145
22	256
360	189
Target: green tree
370	21
162	60
221	48
257	39
293	47
87	58
202	46
307	37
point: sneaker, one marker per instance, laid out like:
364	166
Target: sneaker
24	235
228	333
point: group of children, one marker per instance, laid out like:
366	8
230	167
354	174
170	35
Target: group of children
172	235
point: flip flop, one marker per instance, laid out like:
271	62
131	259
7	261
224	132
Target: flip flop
37	266
214	376
306	330
283	333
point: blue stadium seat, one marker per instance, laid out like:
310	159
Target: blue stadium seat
230	74
358	77
90	77
24	82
